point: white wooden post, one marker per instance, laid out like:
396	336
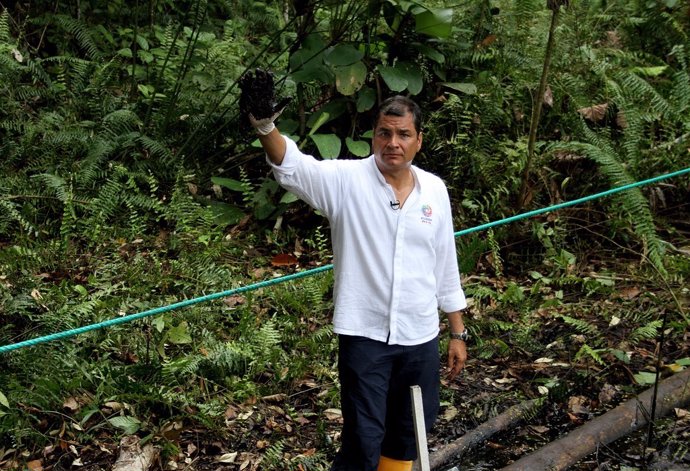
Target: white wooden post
422	462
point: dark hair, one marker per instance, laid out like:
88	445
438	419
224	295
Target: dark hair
399	106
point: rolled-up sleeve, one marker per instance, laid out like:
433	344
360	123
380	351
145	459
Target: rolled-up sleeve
449	291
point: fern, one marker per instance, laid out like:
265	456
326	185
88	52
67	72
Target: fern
633	202
81	32
181	367
588	352
121	122
273	457
635	87
9	215
265	341
646	332
582	326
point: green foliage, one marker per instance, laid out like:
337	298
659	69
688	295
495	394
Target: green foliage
113	140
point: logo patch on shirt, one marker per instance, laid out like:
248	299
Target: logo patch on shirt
426	214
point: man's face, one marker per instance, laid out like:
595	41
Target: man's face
396	142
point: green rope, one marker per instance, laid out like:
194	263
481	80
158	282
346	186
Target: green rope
314	271
567	203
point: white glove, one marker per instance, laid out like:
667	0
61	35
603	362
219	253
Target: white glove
264	126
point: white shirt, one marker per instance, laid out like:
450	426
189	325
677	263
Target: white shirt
394	268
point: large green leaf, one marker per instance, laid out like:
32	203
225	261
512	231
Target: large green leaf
403	76
466	88
320	73
333	109
310	55
394	78
350	78
229	183
129	425
366	99
179	334
288	198
328	145
358	148
343	54
4	401
226	214
430	52
307	63
413	75
435	22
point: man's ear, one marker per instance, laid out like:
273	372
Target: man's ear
419	141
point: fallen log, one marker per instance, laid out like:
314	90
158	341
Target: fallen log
133	457
453	451
673	392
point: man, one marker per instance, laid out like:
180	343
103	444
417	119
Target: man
395	265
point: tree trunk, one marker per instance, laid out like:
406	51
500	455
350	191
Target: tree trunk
536	110
673	392
453	451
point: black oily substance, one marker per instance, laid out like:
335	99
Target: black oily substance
258	94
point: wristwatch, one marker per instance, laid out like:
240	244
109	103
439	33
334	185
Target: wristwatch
464	335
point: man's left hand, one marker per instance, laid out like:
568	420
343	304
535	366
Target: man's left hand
457	356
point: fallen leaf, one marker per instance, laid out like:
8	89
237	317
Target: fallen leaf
231	412
284	260
578	405
333	414
629	292
232	301
34	465
71	404
450	413
227	457
540	429
681	413
543	360
594	113
114	406
275	398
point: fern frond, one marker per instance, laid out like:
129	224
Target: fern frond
157	149
645	332
9	214
81	32
636	88
173	371
274	455
633	202
588	352
4	26
121	122
582	326
56	184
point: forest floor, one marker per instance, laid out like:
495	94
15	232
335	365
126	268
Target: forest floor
544	357
283	428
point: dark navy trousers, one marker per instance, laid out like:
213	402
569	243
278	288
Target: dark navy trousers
375	380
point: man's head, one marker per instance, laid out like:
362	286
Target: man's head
399	106
397	135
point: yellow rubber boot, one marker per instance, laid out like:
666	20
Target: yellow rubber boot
389	464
